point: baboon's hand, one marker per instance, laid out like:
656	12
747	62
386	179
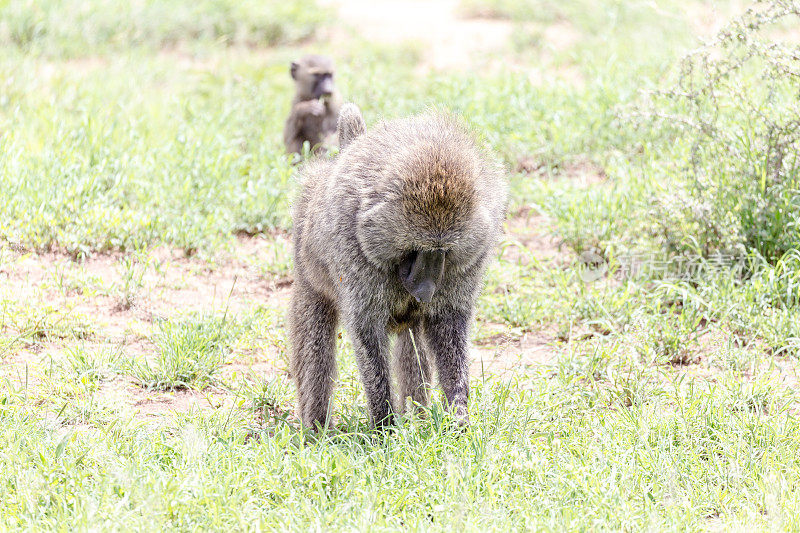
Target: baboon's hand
312	107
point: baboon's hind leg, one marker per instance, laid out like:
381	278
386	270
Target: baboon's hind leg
412	369
312	332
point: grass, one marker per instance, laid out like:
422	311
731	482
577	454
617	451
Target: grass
70	28
145	258
189	353
590	465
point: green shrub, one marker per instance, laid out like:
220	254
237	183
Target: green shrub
735	114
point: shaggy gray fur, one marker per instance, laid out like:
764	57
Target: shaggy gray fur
407	188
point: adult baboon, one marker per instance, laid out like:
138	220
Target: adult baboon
315	107
392	237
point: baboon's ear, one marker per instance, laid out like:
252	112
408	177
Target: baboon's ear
294	68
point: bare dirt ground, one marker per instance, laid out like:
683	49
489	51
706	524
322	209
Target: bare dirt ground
81	305
87	296
68	296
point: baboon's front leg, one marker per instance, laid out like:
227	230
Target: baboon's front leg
446	336
371	344
312	333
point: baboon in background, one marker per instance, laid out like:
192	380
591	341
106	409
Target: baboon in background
315	107
392	236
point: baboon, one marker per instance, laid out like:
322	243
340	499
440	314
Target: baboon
392	237
315	107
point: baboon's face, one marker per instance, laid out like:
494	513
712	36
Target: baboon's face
314	77
420	272
323	84
432	210
422	259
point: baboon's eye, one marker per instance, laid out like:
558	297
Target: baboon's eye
407	261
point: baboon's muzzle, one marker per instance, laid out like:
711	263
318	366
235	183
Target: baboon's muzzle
421	273
324	87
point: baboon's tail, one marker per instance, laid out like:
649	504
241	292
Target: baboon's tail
351	124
